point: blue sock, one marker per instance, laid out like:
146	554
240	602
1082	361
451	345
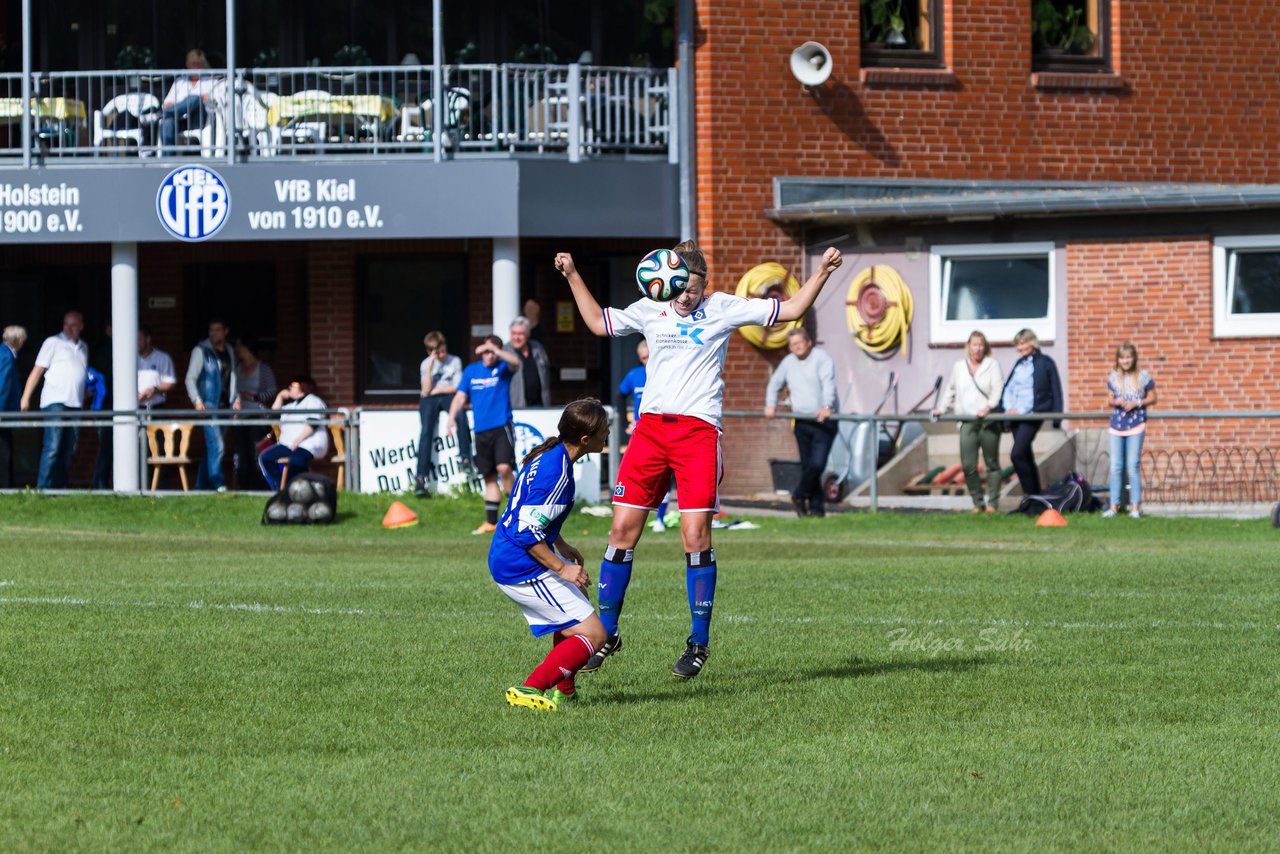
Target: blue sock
700	580
662	511
615	575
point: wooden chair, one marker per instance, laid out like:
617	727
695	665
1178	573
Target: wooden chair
339	458
177	443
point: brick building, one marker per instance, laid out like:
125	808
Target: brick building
1138	174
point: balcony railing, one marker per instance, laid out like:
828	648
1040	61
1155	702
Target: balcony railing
574	111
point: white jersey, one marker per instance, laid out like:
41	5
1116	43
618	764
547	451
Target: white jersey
685	374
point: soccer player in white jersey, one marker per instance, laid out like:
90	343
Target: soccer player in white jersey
541	572
679	429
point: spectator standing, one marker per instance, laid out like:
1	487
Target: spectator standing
10	397
156	373
256	388
809	375
486	384
439	375
213	383
99	392
1130	391
63	364
1032	386
303	431
530	386
632	384
974	389
184	106
537	332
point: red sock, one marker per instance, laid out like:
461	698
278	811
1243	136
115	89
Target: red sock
561	663
566	685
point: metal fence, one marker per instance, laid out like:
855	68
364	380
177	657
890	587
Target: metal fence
571	111
1177	476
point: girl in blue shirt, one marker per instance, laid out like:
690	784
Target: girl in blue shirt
538	570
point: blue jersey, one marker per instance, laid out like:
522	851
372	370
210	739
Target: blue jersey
540	502
633	384
490	393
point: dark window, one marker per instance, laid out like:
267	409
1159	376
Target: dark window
902	33
402	298
1070	35
1256	286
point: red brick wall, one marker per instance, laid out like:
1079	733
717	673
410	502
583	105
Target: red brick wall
1157	294
1192	109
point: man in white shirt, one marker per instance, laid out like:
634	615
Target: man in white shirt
63	363
185	103
156	373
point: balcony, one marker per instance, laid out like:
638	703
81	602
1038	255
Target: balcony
566	112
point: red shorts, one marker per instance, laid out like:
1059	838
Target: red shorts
662	445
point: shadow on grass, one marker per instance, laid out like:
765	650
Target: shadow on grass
856	668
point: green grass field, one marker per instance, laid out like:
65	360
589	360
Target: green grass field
173	676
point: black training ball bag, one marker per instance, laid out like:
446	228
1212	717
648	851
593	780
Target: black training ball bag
309	499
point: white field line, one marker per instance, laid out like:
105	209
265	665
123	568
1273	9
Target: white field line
279	610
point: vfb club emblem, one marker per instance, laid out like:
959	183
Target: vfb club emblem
193	203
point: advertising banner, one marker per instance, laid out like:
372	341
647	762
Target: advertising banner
389	452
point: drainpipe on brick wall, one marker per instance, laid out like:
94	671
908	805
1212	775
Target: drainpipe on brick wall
688	126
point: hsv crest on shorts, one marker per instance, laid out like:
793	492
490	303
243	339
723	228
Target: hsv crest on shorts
662	275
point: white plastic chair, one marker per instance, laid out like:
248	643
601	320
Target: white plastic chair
133	104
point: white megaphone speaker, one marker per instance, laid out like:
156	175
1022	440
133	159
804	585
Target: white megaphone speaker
811	64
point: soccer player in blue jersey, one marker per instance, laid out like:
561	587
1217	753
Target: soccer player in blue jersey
487	383
541	572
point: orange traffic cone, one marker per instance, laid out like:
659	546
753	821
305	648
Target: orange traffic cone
399	516
1051	519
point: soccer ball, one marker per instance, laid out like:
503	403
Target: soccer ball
662	275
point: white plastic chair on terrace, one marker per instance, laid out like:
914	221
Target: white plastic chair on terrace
253	128
415	122
121	120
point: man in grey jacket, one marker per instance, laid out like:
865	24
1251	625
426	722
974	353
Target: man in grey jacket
530	386
810	376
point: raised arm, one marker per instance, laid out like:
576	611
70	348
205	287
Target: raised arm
796	307
512	360
590	310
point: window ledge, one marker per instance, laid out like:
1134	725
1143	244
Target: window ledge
908	77
1057	81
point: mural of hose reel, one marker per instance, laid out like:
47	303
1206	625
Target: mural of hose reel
879	310
763	281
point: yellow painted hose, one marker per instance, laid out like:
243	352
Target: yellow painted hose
768	280
880	293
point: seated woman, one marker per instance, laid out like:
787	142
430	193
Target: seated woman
303	433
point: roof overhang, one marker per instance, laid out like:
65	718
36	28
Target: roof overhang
837	201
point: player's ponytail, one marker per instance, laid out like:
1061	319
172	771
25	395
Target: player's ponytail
585	417
693	258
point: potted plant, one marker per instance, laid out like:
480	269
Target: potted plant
883	24
1059	31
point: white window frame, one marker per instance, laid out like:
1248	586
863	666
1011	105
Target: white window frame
1225	323
943	331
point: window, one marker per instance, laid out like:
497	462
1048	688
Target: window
402	298
998	289
1070	35
902	33
1246	286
